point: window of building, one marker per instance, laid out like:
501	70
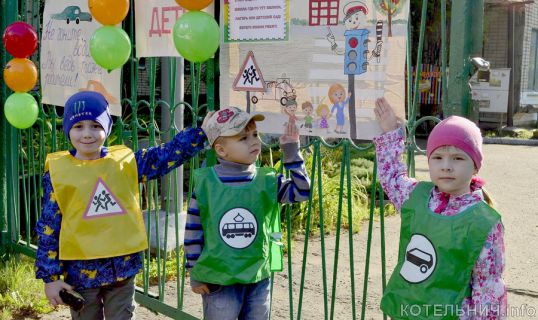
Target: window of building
323	12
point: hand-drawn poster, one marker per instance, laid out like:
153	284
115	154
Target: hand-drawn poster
325	73
66	64
154	23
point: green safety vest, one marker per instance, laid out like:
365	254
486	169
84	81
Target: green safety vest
241	227
436	257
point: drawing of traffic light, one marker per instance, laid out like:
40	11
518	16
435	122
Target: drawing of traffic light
356	58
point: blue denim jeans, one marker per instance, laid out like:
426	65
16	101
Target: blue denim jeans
238	301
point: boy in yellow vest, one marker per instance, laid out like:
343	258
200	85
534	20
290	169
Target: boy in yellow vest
232	237
91	229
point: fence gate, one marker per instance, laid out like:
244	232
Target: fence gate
153	112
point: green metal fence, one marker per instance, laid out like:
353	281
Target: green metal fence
23	152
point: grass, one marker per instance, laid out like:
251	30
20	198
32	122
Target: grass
21	294
361	165
516	134
156	269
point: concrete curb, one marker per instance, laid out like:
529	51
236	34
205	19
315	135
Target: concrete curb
510	141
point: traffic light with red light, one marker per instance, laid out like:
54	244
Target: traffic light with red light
355	61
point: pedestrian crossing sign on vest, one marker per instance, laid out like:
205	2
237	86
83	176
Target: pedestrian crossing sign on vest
102	203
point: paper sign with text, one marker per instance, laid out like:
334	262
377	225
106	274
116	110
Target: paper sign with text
155	21
66	64
256	20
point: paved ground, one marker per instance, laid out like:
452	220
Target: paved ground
511	173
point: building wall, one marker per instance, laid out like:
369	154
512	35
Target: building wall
531	22
495	36
507	44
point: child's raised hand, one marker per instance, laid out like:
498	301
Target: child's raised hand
385	115
52	291
291	133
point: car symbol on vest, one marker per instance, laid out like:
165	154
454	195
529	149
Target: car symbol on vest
421	259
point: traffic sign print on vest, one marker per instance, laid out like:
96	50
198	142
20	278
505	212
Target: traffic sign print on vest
420	259
103	203
238	228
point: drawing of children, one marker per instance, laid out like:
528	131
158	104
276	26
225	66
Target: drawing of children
308	109
324	113
289	109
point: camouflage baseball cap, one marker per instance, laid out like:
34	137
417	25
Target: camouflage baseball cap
228	122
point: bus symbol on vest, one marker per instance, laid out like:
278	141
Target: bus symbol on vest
238	228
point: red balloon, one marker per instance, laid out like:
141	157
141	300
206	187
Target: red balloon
20	39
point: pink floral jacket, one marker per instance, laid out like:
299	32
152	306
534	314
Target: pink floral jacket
489	297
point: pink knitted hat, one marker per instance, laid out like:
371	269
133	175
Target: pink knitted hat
458	132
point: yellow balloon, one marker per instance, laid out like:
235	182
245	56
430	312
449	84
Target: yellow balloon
20	75
107	12
193	5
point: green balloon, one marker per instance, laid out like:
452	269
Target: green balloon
21	110
110	47
196	36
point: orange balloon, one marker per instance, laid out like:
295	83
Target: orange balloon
107	12
20	75
194	4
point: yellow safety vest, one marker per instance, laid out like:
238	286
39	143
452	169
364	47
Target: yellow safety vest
99	202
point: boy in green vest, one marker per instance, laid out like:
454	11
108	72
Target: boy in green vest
232	238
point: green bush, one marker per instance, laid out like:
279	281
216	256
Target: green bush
361	169
21	294
156	269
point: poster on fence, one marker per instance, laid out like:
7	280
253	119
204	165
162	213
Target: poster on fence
319	64
154	23
66	65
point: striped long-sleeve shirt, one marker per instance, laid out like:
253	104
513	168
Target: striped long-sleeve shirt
290	190
152	163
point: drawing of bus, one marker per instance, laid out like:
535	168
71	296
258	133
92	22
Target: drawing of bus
233	229
421	259
280	90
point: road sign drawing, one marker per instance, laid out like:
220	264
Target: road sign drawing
250	77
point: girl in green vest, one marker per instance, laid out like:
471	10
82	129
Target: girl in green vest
451	255
232	235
